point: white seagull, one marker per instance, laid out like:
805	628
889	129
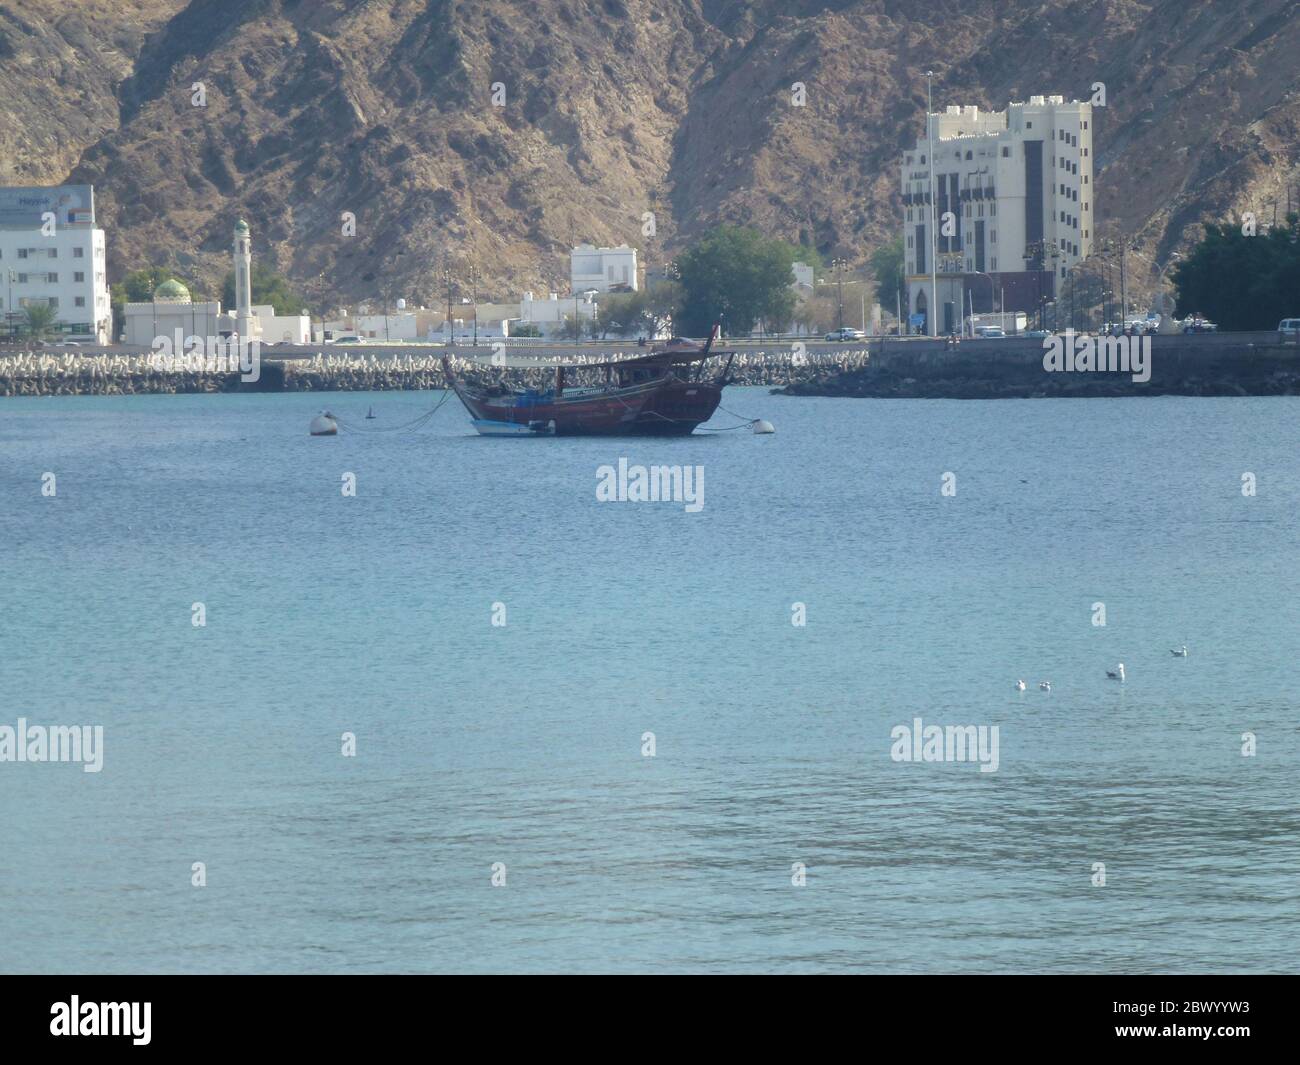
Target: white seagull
1045	685
1117	673
1181	652
1020	685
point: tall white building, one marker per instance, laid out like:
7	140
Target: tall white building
603	269
51	253
1010	211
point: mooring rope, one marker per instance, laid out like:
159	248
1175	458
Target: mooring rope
745	424
414	425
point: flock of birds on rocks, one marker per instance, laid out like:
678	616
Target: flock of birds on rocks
1111	674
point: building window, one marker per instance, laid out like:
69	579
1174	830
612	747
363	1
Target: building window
78	275
80	301
993	236
22	253
1006	152
22	279
994	265
1029	125
54	253
78	253
52	279
53	301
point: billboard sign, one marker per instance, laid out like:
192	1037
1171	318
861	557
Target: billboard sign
24	207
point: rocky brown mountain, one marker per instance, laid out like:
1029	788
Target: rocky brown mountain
502	132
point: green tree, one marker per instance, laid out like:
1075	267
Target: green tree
40	320
1242	282
619	313
268	287
572	327
738	275
525	329
645	312
887	264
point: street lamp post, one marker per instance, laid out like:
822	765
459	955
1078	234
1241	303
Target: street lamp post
989	278
473	295
838	266
934	265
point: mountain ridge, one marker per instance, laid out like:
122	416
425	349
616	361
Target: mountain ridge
612	109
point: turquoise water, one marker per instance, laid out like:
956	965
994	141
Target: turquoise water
522	744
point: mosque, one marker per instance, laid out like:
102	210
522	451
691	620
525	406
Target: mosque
172	308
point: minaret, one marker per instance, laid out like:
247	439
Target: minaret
245	324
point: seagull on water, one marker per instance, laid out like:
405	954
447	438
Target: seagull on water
1045	685
1020	685
1117	673
1181	652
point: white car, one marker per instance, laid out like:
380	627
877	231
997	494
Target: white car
846	334
1289	328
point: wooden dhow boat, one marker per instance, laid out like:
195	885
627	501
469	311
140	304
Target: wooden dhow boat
666	392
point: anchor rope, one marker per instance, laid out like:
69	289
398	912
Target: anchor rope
414	425
745	424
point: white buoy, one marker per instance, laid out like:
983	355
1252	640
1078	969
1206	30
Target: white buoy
761	426
324	425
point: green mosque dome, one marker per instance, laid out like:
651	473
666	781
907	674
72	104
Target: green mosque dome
172	291
241	226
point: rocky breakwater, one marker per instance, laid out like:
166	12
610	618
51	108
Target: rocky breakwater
70	373
1228	364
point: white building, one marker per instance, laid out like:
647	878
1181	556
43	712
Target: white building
803	278
272	328
1005	207
594	269
52	254
171	310
548	315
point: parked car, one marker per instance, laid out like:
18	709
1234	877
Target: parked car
1038	334
349	340
1199	325
846	334
1289	328
990	332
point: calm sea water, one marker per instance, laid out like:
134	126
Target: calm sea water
522	744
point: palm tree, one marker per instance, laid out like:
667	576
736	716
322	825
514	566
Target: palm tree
40	320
